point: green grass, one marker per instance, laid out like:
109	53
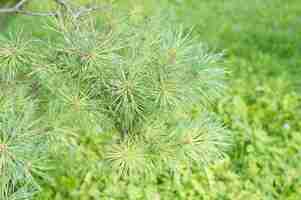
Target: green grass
262	40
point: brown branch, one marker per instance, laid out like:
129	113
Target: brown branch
64	4
19	9
85	10
16	8
42	14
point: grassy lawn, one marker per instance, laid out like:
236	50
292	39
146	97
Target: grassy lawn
262	40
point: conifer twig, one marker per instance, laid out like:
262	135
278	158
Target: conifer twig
84	10
76	13
16	8
19	9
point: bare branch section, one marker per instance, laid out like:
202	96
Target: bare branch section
85	10
64	5
76	13
16	8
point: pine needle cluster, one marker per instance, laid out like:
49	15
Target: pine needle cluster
23	145
142	84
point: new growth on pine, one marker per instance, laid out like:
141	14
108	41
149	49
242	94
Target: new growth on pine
144	85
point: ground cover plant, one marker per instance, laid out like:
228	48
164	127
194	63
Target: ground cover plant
262	40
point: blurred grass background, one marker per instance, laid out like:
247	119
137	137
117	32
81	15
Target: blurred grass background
262	40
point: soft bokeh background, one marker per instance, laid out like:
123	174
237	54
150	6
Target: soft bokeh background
262	40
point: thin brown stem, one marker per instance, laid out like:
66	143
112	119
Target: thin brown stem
76	13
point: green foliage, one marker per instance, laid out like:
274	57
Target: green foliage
263	111
133	79
262	39
23	145
14	56
142	86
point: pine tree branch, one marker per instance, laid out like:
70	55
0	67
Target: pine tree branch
41	14
14	9
85	10
64	5
19	9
